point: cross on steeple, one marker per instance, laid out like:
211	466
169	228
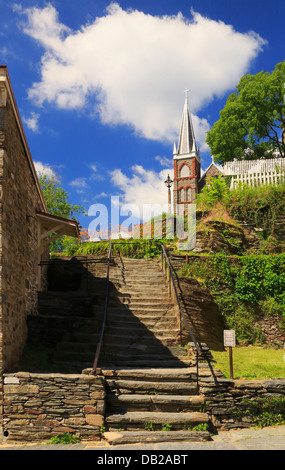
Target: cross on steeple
186	94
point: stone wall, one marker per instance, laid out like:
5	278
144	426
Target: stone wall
201	313
39	406
229	402
19	201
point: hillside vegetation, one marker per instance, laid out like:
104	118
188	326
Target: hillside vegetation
242	262
239	255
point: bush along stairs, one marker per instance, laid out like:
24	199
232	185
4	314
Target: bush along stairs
151	381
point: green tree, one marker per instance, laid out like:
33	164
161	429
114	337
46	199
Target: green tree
252	123
57	201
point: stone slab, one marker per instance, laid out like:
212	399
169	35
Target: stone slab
130	437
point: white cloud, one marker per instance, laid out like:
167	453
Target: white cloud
79	182
133	67
164	161
32	121
80	185
45	169
142	187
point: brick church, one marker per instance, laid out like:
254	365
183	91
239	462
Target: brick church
189	179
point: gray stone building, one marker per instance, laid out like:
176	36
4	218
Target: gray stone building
25	228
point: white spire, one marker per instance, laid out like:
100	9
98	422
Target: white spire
187	142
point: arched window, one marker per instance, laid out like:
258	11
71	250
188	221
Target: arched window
181	195
188	194
184	171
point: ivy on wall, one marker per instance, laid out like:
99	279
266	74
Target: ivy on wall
243	287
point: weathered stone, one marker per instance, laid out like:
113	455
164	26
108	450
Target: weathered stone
75	421
21	389
11	380
94	419
247	384
90	409
98	395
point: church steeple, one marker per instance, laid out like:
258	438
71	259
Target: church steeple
187	142
186	164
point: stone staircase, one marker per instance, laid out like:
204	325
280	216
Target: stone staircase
154	405
151	382
142	323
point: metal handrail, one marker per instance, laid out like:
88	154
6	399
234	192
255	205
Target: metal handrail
199	352
99	345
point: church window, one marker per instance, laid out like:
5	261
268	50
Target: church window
188	194
181	195
184	171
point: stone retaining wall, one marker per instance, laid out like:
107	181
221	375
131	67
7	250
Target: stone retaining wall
39	406
229	401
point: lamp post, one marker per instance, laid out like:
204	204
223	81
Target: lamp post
168	182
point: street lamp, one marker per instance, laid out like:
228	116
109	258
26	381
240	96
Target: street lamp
168	182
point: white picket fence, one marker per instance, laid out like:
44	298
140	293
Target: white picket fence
256	172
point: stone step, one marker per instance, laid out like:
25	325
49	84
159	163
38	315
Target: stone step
139	289
122	317
143	347
139	274
127	359
141	386
132	420
134	312
139	299
157	374
122	334
168	363
148	402
139	348
136	437
126	323
138	305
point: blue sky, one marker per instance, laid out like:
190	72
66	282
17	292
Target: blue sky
100	85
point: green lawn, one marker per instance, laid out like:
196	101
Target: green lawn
252	363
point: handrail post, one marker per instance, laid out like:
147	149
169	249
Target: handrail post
197	368
178	302
98	349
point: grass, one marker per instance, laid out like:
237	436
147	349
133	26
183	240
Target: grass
252	363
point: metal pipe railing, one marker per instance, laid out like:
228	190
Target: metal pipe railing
99	345
171	278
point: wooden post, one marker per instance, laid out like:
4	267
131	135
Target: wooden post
231	362
230	342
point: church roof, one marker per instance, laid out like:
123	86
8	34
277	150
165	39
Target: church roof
187	142
212	164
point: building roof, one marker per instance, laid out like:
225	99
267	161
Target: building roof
212	164
61	226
